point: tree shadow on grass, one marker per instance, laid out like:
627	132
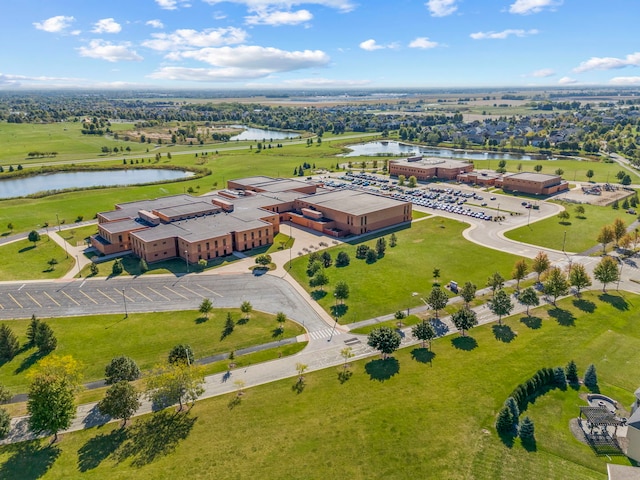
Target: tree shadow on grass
26	249
507	439
464	343
99	448
318	294
382	369
156	436
344	375
529	445
28	460
200	320
616	301
29	361
277	332
563	317
298	387
243	321
339	310
533	323
504	333
422	355
586	306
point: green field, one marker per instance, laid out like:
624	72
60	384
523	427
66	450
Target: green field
581	232
23	260
404	275
414	416
145	337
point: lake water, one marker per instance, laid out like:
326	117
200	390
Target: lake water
17	187
396	148
260	134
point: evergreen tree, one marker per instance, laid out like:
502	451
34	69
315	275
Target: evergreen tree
511	404
9	344
44	339
504	421
571	372
527	430
32	329
591	377
560	378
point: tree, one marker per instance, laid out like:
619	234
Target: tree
34	237
413	181
527	430
206	306
320	279
619	229
591	377
401	179
556	284
143	265
263	260
538	168
559	171
393	240
342	259
121	369
424	332
5	395
385	340
436	275
341	291
327	261
229	325
511	404
468	293
181	353
520	270
501	305
32	329
571	371
464	319
122	401
117	267
564	216
529	298
175	383
437	299
580	211
281	318
540	264
9	345
246	308
346	353
606	272
579	278
381	246
605	237
10	226
5	423
44	339
504	421
495	282
93	268
371	256
362	250
589	174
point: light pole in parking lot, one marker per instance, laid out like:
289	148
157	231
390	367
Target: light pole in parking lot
124	299
186	259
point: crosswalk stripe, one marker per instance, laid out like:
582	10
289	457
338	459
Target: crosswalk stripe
324	333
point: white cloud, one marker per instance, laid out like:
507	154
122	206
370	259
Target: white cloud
108	51
275	18
75	32
567	81
542	73
106	25
441	8
172	4
187	38
11	80
609	63
370	45
625	81
254	5
155	23
54	24
423	42
207	74
503	34
324	82
525	7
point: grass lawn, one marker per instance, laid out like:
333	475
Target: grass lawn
581	232
145	337
417	415
78	236
22	260
389	284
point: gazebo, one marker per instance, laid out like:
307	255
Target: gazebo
598	420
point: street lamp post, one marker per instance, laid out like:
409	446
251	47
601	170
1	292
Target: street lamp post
78	263
529	217
620	275
124	299
335	317
564	240
58	218
186	259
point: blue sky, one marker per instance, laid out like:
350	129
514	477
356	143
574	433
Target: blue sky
309	44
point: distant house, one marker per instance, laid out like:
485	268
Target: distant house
633	430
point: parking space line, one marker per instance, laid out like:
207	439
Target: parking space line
142	294
51	298
176	293
208	290
100	291
88	297
158	293
69	297
34	300
12	298
1	307
125	295
189	290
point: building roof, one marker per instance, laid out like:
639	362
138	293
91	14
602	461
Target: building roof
121	226
634	419
191	208
431	162
269	184
351	201
533	177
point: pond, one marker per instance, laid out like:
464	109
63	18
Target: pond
262	134
17	187
396	148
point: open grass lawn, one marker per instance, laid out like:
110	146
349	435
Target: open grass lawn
23	259
145	337
390	283
574	170
417	415
78	235
581	232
